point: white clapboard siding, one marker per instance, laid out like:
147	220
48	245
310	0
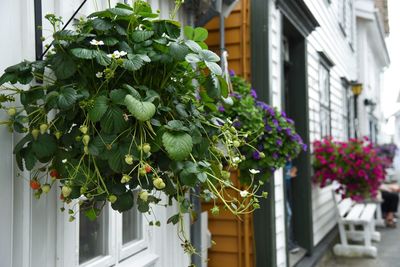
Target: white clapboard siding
330	39
275	62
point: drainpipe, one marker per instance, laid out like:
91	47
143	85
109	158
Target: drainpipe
38	29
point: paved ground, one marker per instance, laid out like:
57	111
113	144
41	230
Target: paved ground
388	253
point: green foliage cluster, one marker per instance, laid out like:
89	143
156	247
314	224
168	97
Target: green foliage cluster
114	108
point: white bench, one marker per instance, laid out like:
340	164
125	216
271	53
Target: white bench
351	215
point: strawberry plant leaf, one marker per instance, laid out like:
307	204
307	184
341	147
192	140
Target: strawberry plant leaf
113	120
200	34
142	111
178	145
67	97
100	107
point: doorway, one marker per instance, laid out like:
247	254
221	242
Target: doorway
295	103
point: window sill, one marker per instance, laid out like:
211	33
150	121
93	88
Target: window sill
144	259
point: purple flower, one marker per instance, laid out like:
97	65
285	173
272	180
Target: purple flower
272	169
279	142
290	121
260	147
275	122
283	114
267	127
236	95
275	155
304	146
288	131
237	124
256	155
221	109
231	72
253	93
262	105
279	128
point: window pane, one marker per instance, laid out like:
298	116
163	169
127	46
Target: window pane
131	226
93	235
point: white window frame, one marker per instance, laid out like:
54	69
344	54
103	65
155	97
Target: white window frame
324	90
117	253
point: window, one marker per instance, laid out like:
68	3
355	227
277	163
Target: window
112	239
325	116
324	90
346	19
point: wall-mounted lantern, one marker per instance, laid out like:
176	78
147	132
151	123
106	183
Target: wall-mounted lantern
356	88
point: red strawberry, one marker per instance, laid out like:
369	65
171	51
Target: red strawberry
35	185
147	168
54	174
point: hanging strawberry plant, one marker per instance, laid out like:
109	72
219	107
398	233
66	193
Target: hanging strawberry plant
113	108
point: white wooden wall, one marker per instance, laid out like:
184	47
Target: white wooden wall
30	228
275	31
329	39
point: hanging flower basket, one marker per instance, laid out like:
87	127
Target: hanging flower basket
353	164
113	108
269	135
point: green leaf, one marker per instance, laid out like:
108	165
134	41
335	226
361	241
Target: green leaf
214	67
176	125
91	214
193	46
102	58
139	36
45	146
121	31
142	111
110	41
120	11
117	160
101	24
27	138
202	177
178	51
200	34
29	157
113	120
63	65
67	97
192	58
133	63
118	96
84	53
65	35
100	107
209	56
124	202
132	91
223	86
188	32
178	145
174	219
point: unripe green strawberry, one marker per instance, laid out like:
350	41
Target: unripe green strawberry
159	183
83	129
83	190
226	175
146	148
125	179
144	195
46	188
86	139
43	128
236	143
112	198
142	171
78	138
215	210
11	111
66	191
129	159
58	135
262	155
35	133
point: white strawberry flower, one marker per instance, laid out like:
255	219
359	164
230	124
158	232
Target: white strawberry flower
244	193
96	43
64	161
99	74
117	54
253	171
